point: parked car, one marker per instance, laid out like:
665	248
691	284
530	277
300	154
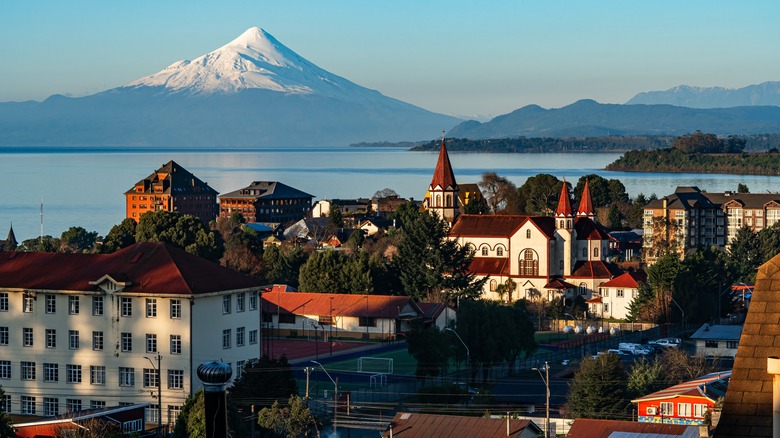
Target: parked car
635	349
619	352
667	342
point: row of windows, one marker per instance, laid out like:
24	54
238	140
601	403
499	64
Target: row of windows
51	405
227	301
98	306
666	409
227	337
98	338
716	344
97	374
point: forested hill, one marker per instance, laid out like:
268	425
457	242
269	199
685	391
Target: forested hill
578	144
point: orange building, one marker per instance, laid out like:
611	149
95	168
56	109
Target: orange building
266	201
172	188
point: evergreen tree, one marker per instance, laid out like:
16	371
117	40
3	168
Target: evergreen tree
6	425
335	217
77	239
262	382
431	348
615	218
646	376
598	389
745	254
182	230
290	421
120	236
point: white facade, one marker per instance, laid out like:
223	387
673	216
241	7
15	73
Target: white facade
62	350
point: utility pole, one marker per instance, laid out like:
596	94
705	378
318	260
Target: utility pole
159	387
546	379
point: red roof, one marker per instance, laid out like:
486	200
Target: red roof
149	267
312	303
629	280
590	428
443	175
586	204
594	269
594	300
558	283
486	225
414	425
699	387
490	266
564	204
588	229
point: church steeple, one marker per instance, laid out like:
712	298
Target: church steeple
442	197
564	204
10	242
586	203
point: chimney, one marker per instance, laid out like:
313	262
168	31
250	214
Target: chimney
773	368
215	376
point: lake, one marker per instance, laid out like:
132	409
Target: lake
85	187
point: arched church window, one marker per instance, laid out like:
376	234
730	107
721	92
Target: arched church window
527	234
500	251
448	201
568	223
484	251
529	263
595	252
493	285
582	289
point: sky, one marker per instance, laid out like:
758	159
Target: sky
464	58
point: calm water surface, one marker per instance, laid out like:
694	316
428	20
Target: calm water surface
86	187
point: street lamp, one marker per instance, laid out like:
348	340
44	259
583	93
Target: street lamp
468	353
335	395
681	310
159	387
546	380
744	303
316	339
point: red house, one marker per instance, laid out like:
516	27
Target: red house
685	403
126	420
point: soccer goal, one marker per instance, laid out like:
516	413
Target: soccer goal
375	365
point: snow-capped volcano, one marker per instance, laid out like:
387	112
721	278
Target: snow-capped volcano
253	60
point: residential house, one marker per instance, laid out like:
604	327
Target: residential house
615	296
685	403
172	188
384	206
626	245
310	230
127	420
416	425
373	225
347	207
326	316
266	201
440	315
82	331
717	340
592	428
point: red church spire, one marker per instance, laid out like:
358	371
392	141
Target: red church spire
564	205
586	203
443	175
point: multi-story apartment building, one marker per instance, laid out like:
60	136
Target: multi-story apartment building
81	331
266	201
690	218
172	188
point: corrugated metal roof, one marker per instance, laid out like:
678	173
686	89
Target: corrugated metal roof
720	332
414	425
709	385
359	305
590	428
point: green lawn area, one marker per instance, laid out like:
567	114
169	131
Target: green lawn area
403	363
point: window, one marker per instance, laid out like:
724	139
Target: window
711	344
151	343
27	303
367	321
151	308
97	404
127	307
493	285
484	251
252	301
667	409
151	414
51	372
175	309
51	406
51	303
127	342
226	338
527	234
240	300
97	341
5	369
240	336
150	378
73	336
73	373
606	307
699	410
51	338
286	318
72	404
175	379
97	375
253	336
126	376
175	344
604	292
529	263
5	404
28	405
683	409
732	344
128	427
27	337
3	335
97	306
595	252
28	370
73	305
240	368
583	288
173	414
226	303
4	302
500	251
619	293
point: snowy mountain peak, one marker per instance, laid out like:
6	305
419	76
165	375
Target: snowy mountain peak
253	60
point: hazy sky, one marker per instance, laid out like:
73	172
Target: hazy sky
451	56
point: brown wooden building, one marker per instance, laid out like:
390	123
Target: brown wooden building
266	201
172	188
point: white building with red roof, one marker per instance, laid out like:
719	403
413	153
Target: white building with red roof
615	296
684	403
81	331
545	256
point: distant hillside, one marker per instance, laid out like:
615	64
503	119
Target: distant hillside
523	144
767	93
587	118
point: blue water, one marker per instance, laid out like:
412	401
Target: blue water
85	187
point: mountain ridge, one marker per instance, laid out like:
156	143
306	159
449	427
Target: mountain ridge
763	94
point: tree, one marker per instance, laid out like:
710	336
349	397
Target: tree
243	247
745	254
6	425
431	348
500	193
429	263
91	428
77	239
40	244
598	391
666	238
121	236
506	288
476	206
645	377
599	190
644	307
702	274
615	218
539	194
335	218
290	421
662	277
742	188
325	272
182	230
680	367
385	193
